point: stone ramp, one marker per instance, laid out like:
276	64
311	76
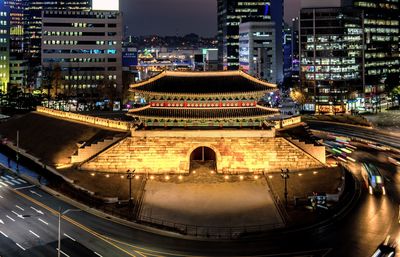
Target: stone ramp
50	139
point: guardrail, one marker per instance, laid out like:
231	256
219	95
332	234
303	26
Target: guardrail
113	124
207	231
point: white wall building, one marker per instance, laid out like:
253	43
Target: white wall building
86	45
257	53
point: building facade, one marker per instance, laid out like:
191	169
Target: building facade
4	47
382	38
257	53
230	14
287	52
33	23
85	47
331	56
16	27
277	12
18	73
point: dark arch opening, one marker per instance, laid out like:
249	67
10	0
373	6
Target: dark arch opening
203	154
203	158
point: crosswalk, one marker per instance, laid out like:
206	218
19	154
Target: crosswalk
7	180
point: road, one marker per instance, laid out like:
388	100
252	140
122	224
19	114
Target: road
354	131
371	219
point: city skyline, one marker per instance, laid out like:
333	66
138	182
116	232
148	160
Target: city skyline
180	17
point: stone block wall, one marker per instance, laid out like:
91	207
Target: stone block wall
172	154
70	116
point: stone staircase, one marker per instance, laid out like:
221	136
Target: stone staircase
316	151
85	152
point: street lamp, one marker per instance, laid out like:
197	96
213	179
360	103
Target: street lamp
59	227
130	177
285	176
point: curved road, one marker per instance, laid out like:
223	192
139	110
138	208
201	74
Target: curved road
371	219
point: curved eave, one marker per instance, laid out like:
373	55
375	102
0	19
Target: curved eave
265	116
203	74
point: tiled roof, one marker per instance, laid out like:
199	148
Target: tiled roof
201	83
202	113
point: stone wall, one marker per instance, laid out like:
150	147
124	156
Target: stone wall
172	154
91	120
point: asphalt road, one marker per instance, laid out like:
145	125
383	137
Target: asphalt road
363	133
371	219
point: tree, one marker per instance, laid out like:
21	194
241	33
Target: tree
392	87
298	96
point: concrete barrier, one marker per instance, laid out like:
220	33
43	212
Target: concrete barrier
113	124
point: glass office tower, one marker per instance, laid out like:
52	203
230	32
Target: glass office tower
230	14
331	57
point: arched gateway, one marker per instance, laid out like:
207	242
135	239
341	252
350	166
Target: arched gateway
203	156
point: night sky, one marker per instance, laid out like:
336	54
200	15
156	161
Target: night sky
178	17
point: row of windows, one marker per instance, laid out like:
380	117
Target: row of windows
93	77
80	51
79	25
76	33
59	60
81	42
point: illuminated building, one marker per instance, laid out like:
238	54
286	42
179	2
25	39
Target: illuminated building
87	46
33	22
277	11
331	56
287	52
230	14
16	27
257	52
381	35
4	47
18	72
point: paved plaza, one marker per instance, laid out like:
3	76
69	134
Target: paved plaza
219	204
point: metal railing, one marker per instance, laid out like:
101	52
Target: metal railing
216	232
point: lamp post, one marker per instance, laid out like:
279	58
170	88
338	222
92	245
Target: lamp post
285	176
59	227
130	177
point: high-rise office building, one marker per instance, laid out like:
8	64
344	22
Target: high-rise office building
257	54
4	47
230	14
33	22
277	11
287	51
331	55
382	39
16	27
85	48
